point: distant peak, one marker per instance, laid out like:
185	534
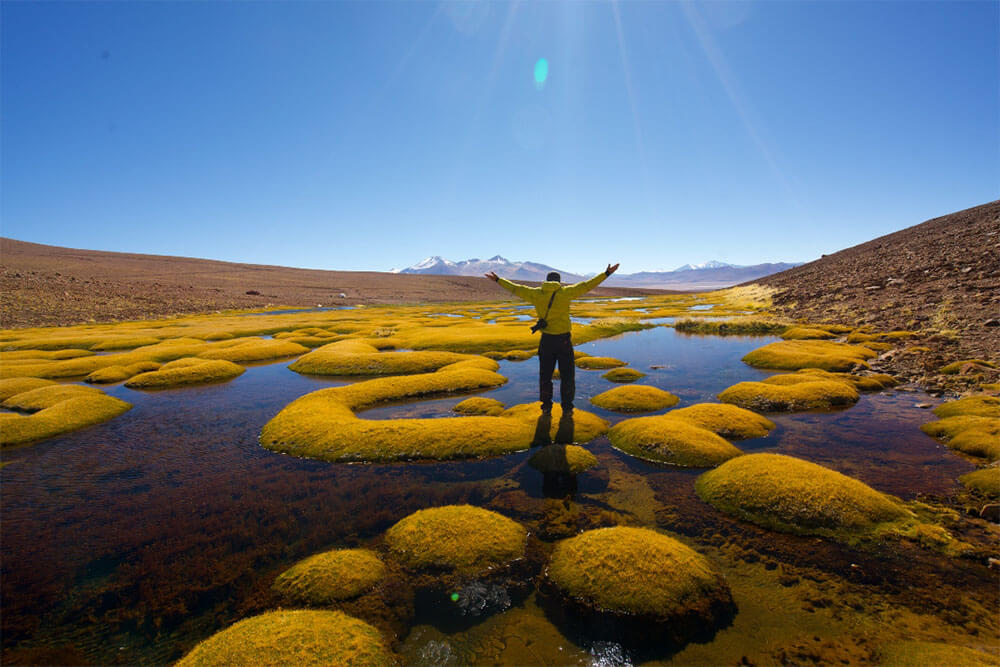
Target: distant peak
497	258
710	264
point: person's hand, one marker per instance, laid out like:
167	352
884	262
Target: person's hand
611	269
492	275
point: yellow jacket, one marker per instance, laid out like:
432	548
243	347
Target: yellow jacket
558	317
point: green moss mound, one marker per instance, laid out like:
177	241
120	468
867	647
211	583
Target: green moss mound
623	375
870	382
124	343
981	441
796	354
186	372
926	654
956	366
112	374
727	421
254	349
985	481
810	395
949	427
598	363
462	538
477	405
341	574
732	327
301	637
586	425
795	496
977	406
670	440
59	409
635	398
806	333
635	571
12	386
352	357
571	459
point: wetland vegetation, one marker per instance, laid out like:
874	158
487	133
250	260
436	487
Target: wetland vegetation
199	505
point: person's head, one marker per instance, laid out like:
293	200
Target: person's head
553	276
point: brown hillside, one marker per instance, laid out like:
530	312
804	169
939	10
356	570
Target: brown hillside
47	285
941	277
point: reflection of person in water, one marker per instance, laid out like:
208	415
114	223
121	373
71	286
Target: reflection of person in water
551	301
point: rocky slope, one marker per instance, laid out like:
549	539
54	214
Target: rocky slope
940	278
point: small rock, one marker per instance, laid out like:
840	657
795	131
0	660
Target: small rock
966	269
992	323
872	288
253	292
991	512
923	406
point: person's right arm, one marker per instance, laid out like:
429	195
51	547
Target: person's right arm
522	291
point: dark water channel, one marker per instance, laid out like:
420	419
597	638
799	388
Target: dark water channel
131	541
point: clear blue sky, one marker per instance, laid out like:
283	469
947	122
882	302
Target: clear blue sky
370	135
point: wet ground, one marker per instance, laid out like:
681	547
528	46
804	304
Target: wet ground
131	541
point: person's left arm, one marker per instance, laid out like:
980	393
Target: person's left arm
583	287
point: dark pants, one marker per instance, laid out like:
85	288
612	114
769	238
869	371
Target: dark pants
553	349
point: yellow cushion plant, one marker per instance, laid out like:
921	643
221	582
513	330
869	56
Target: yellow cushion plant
986	481
795	354
972	434
186	371
634	398
806	333
254	349
795	496
111	374
636	571
671	440
924	654
354	357
598	363
737	326
330	576
477	405
586	426
956	366
623	375
57	409
772	397
463	538
980	406
15	385
301	637
727	421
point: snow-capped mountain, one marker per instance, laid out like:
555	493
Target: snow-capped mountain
708	275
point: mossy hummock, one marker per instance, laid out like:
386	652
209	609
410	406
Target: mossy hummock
598	363
57	409
809	395
975	364
254	349
640	575
925	654
623	375
806	333
571	459
986	481
477	405
968	433
352	357
635	398
671	440
796	354
186	372
870	382
15	385
112	374
298	637
795	496
727	421
461	538
331	576
977	406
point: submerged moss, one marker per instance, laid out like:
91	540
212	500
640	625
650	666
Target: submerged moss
331	576
634	398
300	637
770	397
477	405
636	571
186	372
796	354
463	538
727	421
795	496
623	375
671	440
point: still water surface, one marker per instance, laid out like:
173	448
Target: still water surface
130	541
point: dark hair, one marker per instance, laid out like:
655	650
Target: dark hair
553	276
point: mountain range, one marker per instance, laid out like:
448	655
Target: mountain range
705	276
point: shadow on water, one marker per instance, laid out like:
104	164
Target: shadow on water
130	541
